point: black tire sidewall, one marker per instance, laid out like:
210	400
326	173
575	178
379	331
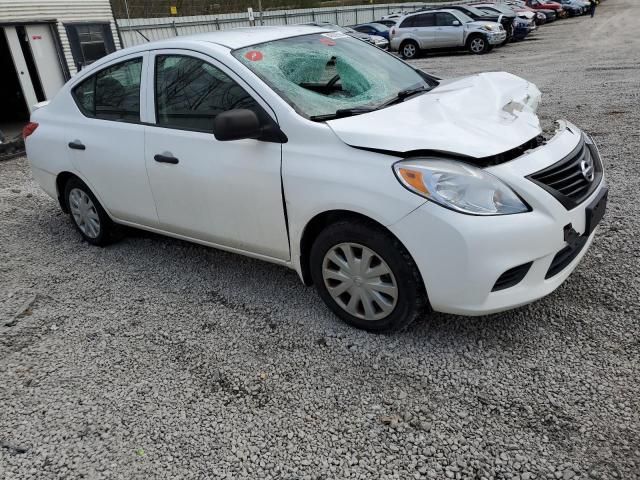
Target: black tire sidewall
104	237
410	289
405	43
481	37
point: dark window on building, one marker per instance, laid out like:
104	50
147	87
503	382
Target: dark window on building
190	93
112	93
89	42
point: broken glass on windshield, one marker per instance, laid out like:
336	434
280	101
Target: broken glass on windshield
321	74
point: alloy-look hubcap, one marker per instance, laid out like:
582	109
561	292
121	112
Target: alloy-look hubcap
409	50
360	281
477	45
84	213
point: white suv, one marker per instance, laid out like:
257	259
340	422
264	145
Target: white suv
437	29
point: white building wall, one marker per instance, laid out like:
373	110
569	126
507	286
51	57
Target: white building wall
60	11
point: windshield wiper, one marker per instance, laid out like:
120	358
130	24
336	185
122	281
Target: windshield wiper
349	112
403	95
341	113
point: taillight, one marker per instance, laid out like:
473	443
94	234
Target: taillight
28	129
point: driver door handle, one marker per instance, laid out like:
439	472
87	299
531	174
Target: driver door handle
160	158
77	145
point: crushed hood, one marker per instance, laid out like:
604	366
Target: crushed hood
476	116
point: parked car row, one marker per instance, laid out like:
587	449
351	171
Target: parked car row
478	27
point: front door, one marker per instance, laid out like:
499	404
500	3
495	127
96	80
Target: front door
227	193
447	33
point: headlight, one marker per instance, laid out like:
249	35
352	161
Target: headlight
488	27
458	186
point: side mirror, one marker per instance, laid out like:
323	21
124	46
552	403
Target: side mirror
456	23
236	124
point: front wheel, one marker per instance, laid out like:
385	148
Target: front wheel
409	50
478	45
366	276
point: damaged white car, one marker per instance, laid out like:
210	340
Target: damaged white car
391	191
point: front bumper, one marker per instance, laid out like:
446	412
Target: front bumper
462	256
495	38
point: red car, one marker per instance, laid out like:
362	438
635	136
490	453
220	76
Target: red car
541	5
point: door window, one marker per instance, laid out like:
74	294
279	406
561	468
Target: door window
425	20
444	19
190	93
408	22
112	93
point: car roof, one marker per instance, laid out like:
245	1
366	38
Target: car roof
247	36
432	10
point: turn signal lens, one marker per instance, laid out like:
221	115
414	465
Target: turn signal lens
414	179
28	129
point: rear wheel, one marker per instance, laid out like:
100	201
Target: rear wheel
409	49
478	44
366	276
87	214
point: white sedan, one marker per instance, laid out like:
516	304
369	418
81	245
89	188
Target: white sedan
388	189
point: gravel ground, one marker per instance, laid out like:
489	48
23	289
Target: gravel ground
155	358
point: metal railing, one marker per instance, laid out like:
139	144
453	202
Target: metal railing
140	30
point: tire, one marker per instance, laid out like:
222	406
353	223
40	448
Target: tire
478	44
409	49
86	213
395	291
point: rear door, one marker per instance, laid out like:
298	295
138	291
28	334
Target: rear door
105	139
448	34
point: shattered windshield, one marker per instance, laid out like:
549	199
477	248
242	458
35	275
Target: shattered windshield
321	74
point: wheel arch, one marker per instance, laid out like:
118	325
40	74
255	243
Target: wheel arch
61	180
321	221
409	39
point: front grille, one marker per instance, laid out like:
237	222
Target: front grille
511	277
565	256
565	180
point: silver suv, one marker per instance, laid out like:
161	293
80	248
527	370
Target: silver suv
444	28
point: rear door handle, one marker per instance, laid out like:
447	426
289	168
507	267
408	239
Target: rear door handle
77	145
166	159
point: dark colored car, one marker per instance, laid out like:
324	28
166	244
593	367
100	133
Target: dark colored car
540	5
375	39
373	29
478	15
522	27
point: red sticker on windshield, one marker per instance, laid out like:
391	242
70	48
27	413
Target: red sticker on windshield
327	41
253	55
